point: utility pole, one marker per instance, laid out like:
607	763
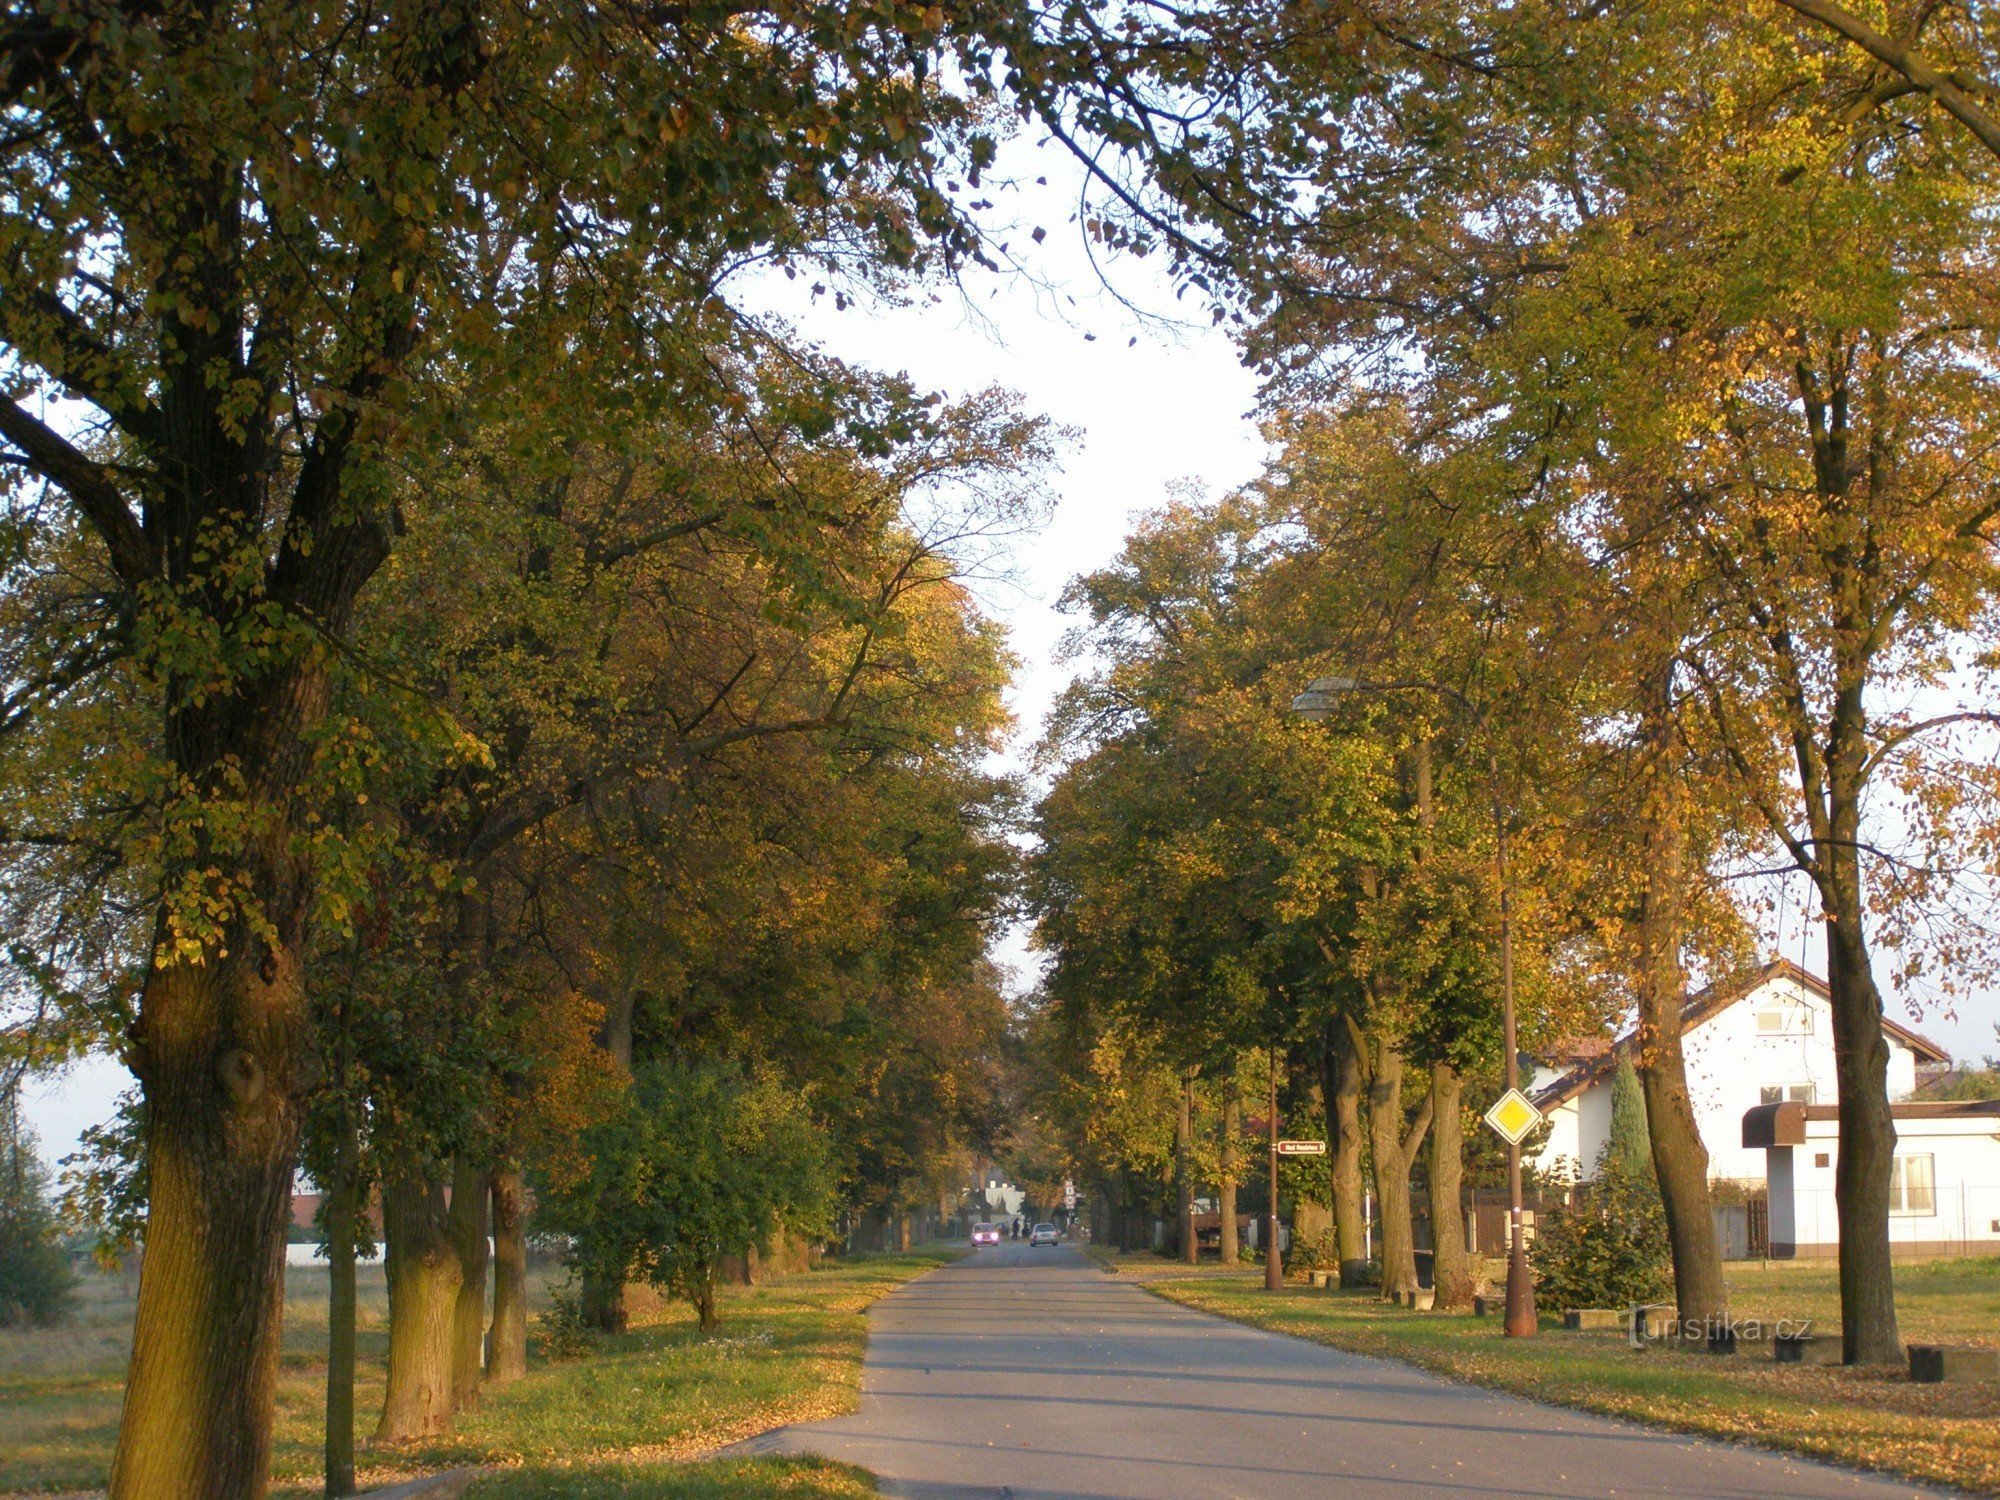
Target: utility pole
1274	1265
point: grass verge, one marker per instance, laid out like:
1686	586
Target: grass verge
621	1421
1873	1419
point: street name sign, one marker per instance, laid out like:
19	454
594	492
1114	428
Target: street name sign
1302	1148
1512	1116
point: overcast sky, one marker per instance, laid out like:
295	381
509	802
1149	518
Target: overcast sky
1151	404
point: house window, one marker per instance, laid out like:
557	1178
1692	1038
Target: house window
1785	1020
1781	1093
1913	1187
1822	1158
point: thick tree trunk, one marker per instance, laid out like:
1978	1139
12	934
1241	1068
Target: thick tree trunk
507	1347
1680	1160
1342	1089
424	1271
343	1207
223	1055
1393	1150
1184	1158
467	1221
704	1302
1225	1191
1451	1262
1865	1164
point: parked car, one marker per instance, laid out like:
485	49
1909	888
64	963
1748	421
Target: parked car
1044	1234
985	1234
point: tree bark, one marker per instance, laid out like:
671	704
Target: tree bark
224	1061
424	1271
1393	1150
1451	1262
1341	1067
1225	1191
343	1207
468	1223
1680	1160
507	1348
1865	1163
1184	1157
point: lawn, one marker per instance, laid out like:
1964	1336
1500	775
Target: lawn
1868	1418
620	1422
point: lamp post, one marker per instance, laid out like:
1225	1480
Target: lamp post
1316	704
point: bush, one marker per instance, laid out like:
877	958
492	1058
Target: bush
563	1332
1608	1247
36	1284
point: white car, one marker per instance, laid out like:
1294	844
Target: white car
985	1234
1044	1234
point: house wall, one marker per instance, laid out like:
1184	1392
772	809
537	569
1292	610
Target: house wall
1729	1063
1965	1157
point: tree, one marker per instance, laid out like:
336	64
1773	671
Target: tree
270	249
702	1163
35	1281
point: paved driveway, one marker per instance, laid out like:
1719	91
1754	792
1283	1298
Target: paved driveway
1030	1373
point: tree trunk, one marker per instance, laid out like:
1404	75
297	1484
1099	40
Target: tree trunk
507	1351
1451	1263
1341	1068
1865	1163
342	1213
1225	1191
424	1272
467	1221
1680	1160
223	1063
1393	1151
704	1301
1184	1158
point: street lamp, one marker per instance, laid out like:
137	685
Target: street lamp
1316	704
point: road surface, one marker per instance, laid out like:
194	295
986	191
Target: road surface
1030	1374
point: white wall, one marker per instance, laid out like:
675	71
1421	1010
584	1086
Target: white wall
1729	1063
1965	1157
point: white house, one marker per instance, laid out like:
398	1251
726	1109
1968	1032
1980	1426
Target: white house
1944	1198
1764	1039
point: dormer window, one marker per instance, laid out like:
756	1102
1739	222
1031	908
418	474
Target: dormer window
1779	1018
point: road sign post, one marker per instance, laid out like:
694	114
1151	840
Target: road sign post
1302	1148
1274	1265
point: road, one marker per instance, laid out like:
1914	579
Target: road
1025	1374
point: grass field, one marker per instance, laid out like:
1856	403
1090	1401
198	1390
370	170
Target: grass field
620	1422
1869	1418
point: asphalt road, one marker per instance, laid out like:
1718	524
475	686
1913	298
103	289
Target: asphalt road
1028	1373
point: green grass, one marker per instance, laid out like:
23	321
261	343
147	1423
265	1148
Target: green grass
634	1410
1867	1418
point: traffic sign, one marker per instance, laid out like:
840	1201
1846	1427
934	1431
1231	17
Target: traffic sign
1512	1116
1302	1148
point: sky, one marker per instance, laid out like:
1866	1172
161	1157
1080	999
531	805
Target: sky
1154	401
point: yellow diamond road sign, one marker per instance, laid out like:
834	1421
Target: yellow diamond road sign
1513	1115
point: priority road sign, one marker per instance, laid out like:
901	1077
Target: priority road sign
1512	1116
1302	1148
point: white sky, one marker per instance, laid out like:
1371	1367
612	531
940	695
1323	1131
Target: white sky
1173	406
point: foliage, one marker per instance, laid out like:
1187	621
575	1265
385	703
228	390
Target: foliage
703	1162
563	1332
36	1284
1628	1149
1606	1246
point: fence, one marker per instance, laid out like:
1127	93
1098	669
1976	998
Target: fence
1945	1219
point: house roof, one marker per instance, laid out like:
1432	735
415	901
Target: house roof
1785	1124
1705	1005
